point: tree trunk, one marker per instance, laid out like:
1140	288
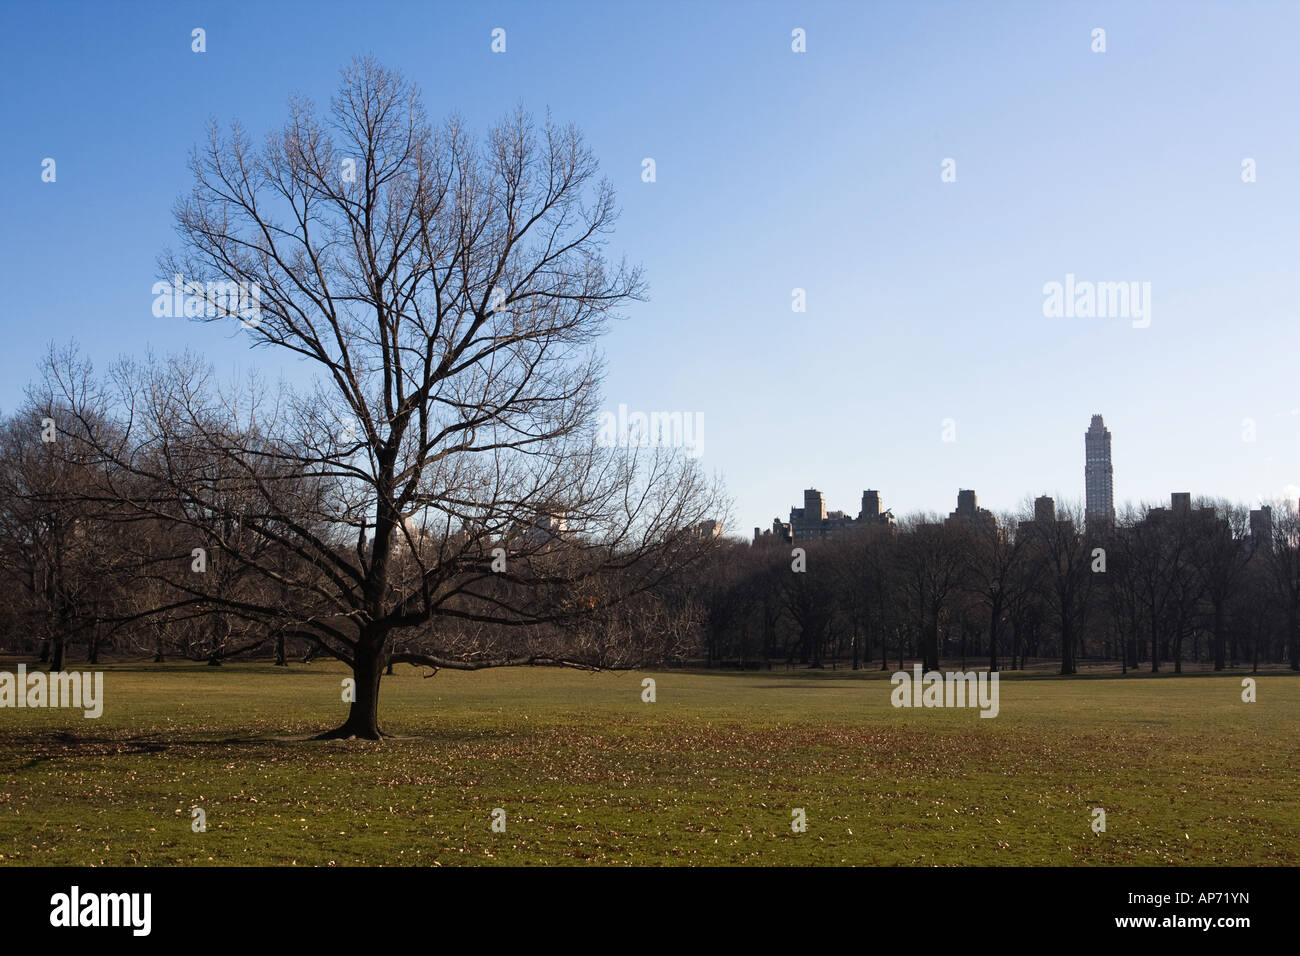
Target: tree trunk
1067	645
1293	638
363	713
931	654
1155	647
993	639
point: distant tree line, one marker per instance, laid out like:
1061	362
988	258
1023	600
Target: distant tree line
1158	589
188	548
184	552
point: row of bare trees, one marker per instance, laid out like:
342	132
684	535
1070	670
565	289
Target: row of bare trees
1155	590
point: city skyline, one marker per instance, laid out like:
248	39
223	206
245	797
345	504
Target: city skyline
816	520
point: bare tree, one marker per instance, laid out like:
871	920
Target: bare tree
1221	558
1125	590
446	466
808	600
1060	558
931	560
1282	563
56	554
997	571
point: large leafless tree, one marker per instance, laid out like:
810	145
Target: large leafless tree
445	467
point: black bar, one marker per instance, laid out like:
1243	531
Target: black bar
331	906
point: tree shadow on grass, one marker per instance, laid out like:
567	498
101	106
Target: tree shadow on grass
63	745
35	749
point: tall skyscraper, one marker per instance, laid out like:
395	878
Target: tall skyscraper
1098	477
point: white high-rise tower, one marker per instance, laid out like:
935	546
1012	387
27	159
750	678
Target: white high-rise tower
1098	476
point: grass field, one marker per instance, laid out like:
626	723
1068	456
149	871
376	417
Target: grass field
708	774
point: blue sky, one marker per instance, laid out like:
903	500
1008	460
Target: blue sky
775	170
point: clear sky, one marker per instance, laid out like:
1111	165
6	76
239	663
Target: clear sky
775	170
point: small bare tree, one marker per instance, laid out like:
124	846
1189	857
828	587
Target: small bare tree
996	572
931	559
1060	561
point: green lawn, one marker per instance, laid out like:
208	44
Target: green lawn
708	774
